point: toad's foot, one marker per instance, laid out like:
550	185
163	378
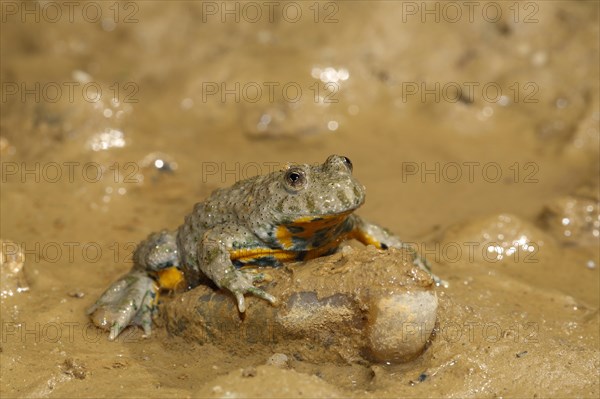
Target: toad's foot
424	265
128	301
372	234
240	282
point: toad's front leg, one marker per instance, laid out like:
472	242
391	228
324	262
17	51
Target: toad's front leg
215	252
372	234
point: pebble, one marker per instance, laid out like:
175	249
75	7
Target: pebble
401	325
591	264
278	360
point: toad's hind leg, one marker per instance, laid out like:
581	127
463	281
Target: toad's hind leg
132	299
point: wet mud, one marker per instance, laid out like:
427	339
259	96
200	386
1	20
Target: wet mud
498	190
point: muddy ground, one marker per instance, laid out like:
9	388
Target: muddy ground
473	126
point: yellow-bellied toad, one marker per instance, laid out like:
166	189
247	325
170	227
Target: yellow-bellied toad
296	214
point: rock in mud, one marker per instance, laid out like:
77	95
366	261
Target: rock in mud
12	276
357	305
585	141
502	238
574	219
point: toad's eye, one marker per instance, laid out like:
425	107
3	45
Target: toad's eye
295	178
348	163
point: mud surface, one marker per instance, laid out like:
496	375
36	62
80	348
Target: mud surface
500	192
